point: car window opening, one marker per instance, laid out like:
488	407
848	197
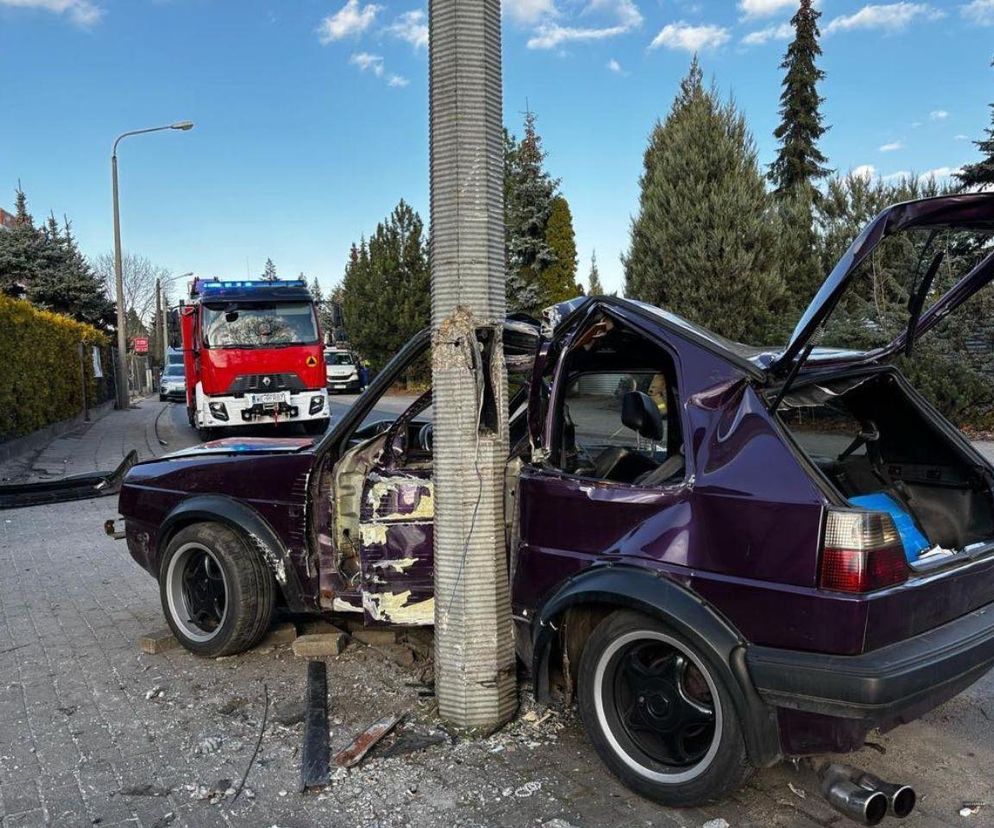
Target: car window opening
618	418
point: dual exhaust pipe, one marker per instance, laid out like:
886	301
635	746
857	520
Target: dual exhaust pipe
862	796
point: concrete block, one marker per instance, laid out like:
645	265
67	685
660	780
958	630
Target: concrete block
158	641
320	645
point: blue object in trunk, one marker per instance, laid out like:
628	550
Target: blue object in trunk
912	538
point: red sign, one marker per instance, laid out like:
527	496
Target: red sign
141	344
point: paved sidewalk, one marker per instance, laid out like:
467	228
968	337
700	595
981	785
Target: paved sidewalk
103	444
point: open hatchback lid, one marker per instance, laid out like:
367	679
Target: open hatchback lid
973	212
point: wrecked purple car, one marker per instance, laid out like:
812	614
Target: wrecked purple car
733	555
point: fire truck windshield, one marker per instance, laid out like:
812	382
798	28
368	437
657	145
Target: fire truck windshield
234	325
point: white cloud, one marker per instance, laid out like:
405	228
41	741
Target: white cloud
765	8
961	137
528	12
368	63
411	26
896	176
624	11
81	12
351	19
893	146
615	67
938	115
549	34
397	80
863	171
690	38
980	12
782	32
939	172
891	17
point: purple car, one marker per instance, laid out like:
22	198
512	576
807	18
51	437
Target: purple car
731	554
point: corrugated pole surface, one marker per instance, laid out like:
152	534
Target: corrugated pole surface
474	651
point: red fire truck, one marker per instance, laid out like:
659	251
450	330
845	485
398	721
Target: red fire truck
252	354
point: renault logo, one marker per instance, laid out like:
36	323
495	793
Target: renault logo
267	381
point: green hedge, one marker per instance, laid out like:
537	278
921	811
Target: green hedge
40	379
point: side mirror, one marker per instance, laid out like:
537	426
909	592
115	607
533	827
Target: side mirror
174	336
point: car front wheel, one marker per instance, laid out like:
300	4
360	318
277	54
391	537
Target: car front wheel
658	713
217	593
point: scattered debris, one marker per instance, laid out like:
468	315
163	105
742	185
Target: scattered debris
164	820
970	808
208	745
258	743
155	693
314	755
799	792
232	705
716	823
68	710
558	823
528	789
354	752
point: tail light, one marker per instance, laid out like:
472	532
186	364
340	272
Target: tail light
862	552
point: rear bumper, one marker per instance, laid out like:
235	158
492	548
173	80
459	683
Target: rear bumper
884	685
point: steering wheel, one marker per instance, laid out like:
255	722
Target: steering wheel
425	437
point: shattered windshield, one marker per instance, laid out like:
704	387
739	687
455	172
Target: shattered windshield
233	325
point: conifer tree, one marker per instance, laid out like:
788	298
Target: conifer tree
703	242
269	273
594	286
386	291
529	193
981	173
20	250
799	162
558	280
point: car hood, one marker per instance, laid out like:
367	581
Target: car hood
969	211
247	445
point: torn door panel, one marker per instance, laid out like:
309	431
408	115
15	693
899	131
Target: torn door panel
396	541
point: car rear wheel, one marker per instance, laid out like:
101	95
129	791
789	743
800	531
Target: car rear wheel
658	713
217	593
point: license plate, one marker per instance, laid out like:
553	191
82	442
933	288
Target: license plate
270	399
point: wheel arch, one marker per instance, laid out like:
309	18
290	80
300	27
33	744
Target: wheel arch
248	523
600	590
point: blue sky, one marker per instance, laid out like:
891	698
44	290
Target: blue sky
311	115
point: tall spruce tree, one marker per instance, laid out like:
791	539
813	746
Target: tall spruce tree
799	162
702	242
20	250
386	291
558	280
594	286
528	195
981	173
269	272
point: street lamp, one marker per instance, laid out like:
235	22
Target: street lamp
160	319
122	342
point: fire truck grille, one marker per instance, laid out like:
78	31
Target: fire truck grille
263	383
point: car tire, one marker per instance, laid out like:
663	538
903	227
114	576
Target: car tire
162	397
205	433
658	712
217	592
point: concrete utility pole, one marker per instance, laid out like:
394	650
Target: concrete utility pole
474	650
123	400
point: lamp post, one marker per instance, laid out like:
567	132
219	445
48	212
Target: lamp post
122	340
160	319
